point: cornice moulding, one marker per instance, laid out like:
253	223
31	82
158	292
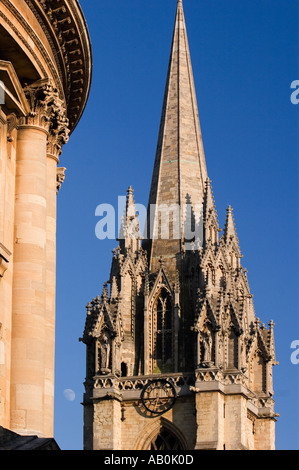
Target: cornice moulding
65	57
65	26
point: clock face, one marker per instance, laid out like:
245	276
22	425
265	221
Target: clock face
158	396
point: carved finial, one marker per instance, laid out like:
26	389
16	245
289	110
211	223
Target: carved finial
130	235
88	307
105	291
130	212
114	289
230	232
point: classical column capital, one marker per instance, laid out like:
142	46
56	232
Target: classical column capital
42	99
57	137
47	111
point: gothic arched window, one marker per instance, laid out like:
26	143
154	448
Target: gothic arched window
163	333
165	441
232	350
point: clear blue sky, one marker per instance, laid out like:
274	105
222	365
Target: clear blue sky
245	57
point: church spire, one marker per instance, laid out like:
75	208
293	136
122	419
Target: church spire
180	172
180	315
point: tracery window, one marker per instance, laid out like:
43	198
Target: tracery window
163	333
165	441
232	349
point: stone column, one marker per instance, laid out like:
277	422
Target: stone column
51	168
32	375
55	178
7	190
29	282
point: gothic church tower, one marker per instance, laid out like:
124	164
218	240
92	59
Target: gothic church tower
176	358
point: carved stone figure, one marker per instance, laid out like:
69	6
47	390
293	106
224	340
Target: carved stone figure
206	344
104	354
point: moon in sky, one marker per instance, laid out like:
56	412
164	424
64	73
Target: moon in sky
69	395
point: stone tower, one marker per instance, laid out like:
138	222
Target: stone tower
45	76
176	358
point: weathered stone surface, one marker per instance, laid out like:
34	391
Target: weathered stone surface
43	101
178	312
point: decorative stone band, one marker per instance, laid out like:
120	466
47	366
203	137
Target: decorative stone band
131	387
72	34
233	383
226	378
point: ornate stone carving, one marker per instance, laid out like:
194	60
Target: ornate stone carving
58	136
42	98
60	178
181	381
63	17
206	345
48	112
104	348
12	122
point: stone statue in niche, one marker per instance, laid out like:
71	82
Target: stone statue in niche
243	361
104	354
206	347
117	357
